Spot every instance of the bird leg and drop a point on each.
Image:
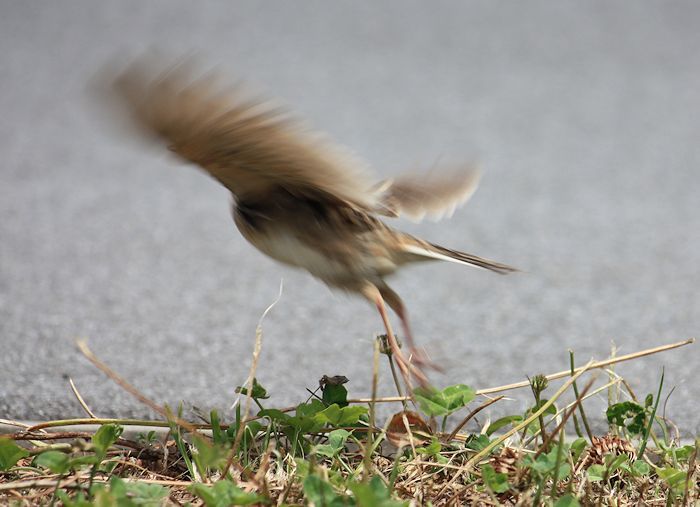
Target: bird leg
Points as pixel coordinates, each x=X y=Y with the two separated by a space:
x=417 y=355
x=407 y=368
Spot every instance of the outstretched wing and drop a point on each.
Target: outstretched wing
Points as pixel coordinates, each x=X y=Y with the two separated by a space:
x=250 y=146
x=434 y=194
x=253 y=146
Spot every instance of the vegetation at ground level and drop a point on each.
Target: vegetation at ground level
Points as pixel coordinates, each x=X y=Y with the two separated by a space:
x=331 y=450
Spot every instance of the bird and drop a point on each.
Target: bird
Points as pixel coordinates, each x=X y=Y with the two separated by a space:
x=299 y=197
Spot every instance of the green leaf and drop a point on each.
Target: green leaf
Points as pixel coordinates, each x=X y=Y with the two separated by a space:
x=373 y=494
x=78 y=501
x=219 y=436
x=336 y=443
x=436 y=403
x=224 y=493
x=274 y=415
x=564 y=470
x=258 y=391
x=208 y=455
x=206 y=493
x=640 y=468
x=135 y=493
x=613 y=462
x=596 y=473
x=458 y=396
x=10 y=453
x=627 y=414
x=147 y=438
x=350 y=416
x=89 y=459
x=337 y=438
x=55 y=461
x=253 y=428
x=105 y=436
x=577 y=448
x=310 y=409
x=331 y=415
x=477 y=442
x=336 y=416
x=495 y=481
x=551 y=410
x=430 y=402
x=545 y=464
x=320 y=493
x=681 y=453
x=431 y=449
x=503 y=421
x=674 y=477
x=117 y=487
x=567 y=501
x=303 y=468
x=324 y=450
x=335 y=394
x=304 y=421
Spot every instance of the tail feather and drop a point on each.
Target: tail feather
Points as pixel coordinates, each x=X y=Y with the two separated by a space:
x=427 y=251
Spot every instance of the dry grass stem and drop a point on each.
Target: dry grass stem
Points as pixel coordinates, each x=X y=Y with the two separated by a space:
x=131 y=389
x=80 y=399
x=249 y=383
x=471 y=414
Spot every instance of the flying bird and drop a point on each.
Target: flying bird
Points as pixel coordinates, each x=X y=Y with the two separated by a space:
x=298 y=197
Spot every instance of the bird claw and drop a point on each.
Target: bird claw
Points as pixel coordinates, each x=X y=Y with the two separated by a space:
x=413 y=365
x=410 y=369
x=421 y=360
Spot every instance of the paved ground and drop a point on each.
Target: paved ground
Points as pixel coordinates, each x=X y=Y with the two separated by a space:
x=584 y=115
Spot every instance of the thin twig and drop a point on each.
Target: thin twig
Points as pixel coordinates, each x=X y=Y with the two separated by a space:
x=368 y=468
x=249 y=385
x=411 y=441
x=144 y=451
x=613 y=393
x=128 y=387
x=392 y=367
x=584 y=419
x=689 y=475
x=80 y=399
x=95 y=422
x=36 y=483
x=18 y=424
x=567 y=415
x=647 y=430
x=472 y=414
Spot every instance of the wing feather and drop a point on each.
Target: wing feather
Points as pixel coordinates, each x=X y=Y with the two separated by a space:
x=248 y=145
x=434 y=194
x=252 y=145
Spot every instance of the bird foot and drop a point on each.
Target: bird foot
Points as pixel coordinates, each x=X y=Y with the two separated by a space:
x=411 y=366
x=421 y=360
x=408 y=368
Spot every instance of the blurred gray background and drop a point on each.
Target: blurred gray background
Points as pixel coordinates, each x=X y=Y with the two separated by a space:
x=584 y=116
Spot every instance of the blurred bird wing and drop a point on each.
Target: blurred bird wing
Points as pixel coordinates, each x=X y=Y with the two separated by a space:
x=434 y=194
x=248 y=145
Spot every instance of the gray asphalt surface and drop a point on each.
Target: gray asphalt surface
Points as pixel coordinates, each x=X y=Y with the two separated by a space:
x=585 y=117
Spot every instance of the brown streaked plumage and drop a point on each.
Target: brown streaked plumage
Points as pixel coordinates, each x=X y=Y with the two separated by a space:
x=297 y=197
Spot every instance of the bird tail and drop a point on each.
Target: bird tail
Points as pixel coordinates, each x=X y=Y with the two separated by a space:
x=429 y=251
